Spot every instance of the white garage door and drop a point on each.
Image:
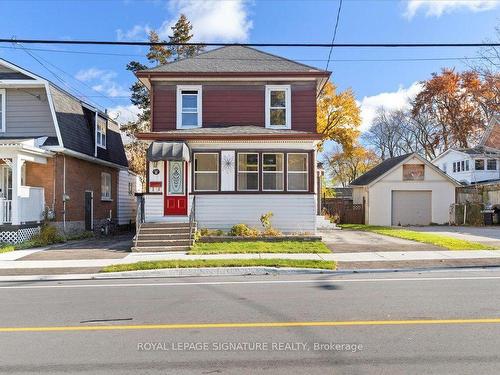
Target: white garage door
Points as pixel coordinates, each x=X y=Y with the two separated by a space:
x=411 y=207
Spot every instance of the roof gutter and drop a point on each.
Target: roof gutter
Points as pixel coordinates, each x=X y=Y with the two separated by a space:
x=85 y=157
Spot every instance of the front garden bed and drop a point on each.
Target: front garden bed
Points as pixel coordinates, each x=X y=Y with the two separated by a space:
x=282 y=238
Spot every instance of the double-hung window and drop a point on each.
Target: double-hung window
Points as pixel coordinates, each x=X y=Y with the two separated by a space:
x=272 y=172
x=297 y=172
x=206 y=172
x=105 y=186
x=188 y=107
x=248 y=171
x=491 y=165
x=101 y=132
x=479 y=165
x=2 y=110
x=278 y=107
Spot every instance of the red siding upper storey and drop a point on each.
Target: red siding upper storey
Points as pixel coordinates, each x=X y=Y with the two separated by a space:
x=233 y=104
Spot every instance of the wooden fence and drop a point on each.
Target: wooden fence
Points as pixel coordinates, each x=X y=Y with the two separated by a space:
x=347 y=212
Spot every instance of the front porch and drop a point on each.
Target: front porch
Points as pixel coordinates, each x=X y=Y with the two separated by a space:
x=21 y=206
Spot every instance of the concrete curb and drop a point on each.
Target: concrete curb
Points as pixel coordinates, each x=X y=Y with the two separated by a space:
x=226 y=271
x=173 y=272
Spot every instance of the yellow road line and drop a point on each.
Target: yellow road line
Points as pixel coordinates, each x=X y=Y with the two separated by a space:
x=250 y=325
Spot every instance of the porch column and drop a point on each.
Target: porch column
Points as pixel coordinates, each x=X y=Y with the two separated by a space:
x=17 y=163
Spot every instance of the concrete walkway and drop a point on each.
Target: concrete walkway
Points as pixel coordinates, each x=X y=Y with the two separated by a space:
x=8 y=260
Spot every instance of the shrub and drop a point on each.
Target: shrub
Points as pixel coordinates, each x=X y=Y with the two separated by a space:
x=47 y=236
x=210 y=232
x=243 y=230
x=271 y=232
x=265 y=220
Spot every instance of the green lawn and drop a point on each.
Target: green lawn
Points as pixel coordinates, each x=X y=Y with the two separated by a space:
x=447 y=242
x=199 y=263
x=249 y=247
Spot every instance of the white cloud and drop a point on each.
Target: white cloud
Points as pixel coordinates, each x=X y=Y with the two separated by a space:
x=103 y=81
x=124 y=113
x=212 y=20
x=390 y=100
x=436 y=8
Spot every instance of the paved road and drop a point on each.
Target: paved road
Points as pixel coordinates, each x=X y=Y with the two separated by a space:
x=393 y=323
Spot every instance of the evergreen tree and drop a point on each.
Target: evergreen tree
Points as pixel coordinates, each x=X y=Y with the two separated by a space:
x=157 y=55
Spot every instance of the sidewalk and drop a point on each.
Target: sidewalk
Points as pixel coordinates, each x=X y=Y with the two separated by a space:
x=9 y=261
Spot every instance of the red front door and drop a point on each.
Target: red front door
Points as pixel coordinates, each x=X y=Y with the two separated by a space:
x=175 y=188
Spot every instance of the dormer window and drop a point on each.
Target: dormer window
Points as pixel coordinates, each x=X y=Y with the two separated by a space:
x=278 y=107
x=188 y=107
x=101 y=132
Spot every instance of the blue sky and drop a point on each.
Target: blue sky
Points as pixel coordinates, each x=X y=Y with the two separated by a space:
x=102 y=78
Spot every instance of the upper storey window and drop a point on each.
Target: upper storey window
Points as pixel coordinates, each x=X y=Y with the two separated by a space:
x=188 y=107
x=278 y=107
x=101 y=132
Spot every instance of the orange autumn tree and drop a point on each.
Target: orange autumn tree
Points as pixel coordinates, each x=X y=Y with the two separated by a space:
x=338 y=116
x=347 y=166
x=460 y=103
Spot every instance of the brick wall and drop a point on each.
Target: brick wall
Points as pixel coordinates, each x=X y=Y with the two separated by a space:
x=81 y=176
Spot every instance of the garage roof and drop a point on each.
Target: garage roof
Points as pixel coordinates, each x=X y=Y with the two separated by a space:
x=379 y=170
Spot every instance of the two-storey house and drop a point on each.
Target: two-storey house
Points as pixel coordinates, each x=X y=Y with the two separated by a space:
x=61 y=160
x=477 y=164
x=233 y=137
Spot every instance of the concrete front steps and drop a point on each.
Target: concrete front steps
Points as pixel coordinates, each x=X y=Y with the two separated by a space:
x=158 y=237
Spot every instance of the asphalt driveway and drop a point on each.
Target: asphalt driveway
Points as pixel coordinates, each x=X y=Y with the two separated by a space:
x=349 y=241
x=115 y=247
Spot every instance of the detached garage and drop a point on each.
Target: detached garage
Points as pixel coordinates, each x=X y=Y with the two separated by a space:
x=405 y=190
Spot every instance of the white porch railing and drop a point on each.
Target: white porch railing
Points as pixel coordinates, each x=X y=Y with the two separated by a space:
x=5 y=211
x=31 y=203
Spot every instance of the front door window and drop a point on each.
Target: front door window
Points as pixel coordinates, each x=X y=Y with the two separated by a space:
x=176 y=178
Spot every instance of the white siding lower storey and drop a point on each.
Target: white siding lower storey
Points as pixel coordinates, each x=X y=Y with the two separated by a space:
x=292 y=212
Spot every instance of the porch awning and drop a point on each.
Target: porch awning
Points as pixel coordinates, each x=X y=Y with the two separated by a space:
x=168 y=151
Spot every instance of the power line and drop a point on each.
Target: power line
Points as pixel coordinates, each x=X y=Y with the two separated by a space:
x=450 y=58
x=321 y=45
x=334 y=34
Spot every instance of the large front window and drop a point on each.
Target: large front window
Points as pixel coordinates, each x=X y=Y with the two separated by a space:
x=2 y=110
x=278 y=105
x=272 y=172
x=248 y=171
x=297 y=172
x=188 y=106
x=206 y=172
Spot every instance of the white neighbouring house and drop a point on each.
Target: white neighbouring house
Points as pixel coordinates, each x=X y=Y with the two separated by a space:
x=405 y=190
x=477 y=164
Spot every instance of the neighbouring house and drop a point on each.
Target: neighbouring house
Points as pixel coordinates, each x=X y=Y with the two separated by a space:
x=61 y=159
x=233 y=136
x=405 y=190
x=475 y=164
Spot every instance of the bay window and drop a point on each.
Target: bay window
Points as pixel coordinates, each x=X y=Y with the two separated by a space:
x=272 y=172
x=248 y=171
x=278 y=107
x=188 y=106
x=206 y=172
x=297 y=172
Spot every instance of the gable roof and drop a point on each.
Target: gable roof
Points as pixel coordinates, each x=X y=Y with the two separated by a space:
x=235 y=59
x=491 y=137
x=74 y=119
x=379 y=170
x=387 y=165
